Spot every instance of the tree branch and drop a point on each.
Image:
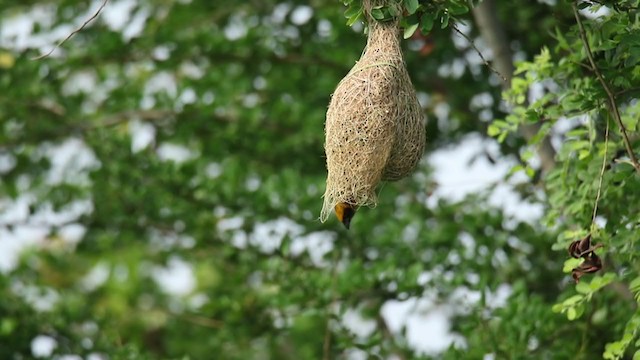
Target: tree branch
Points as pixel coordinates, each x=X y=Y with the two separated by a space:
x=486 y=63
x=492 y=31
x=95 y=15
x=610 y=95
x=200 y=320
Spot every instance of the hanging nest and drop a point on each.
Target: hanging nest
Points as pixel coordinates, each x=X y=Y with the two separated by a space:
x=375 y=125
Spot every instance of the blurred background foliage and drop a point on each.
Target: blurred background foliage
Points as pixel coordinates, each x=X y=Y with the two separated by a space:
x=169 y=160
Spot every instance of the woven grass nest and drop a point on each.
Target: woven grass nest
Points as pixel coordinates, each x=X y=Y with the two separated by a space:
x=374 y=126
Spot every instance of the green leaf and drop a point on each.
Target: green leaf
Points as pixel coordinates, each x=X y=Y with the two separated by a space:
x=502 y=136
x=598 y=282
x=600 y=316
x=579 y=144
x=377 y=13
x=613 y=350
x=493 y=130
x=458 y=9
x=528 y=154
x=583 y=154
x=444 y=20
x=7 y=326
x=634 y=285
x=353 y=10
x=571 y=264
x=411 y=26
x=354 y=15
x=573 y=300
x=530 y=172
x=583 y=288
x=514 y=169
x=583 y=5
x=426 y=23
x=409 y=30
x=411 y=6
x=579 y=311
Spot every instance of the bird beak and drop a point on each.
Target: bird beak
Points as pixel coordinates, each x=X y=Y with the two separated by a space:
x=346 y=221
x=344 y=213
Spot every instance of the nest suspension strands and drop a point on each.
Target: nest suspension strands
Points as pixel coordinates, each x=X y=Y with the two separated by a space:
x=375 y=126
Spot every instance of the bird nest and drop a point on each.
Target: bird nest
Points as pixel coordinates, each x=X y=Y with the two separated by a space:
x=374 y=126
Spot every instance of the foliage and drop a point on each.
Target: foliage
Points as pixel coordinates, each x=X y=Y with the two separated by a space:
x=227 y=186
x=415 y=14
x=589 y=65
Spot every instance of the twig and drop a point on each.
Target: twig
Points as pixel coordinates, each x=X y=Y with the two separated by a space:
x=624 y=91
x=612 y=99
x=602 y=169
x=95 y=15
x=486 y=63
x=614 y=6
x=200 y=320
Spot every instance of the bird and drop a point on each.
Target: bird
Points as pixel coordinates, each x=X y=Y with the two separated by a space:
x=344 y=213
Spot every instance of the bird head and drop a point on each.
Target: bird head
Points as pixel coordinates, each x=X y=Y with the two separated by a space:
x=345 y=212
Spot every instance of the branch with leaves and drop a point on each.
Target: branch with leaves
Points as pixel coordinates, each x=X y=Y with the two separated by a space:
x=613 y=106
x=416 y=15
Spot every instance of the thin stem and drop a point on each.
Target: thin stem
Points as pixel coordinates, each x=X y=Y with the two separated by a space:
x=625 y=91
x=611 y=97
x=201 y=320
x=95 y=15
x=486 y=63
x=617 y=8
x=602 y=169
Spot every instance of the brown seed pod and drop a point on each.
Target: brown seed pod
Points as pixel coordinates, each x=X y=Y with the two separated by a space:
x=591 y=264
x=582 y=249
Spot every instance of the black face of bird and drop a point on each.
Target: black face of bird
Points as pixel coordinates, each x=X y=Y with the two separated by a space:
x=344 y=213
